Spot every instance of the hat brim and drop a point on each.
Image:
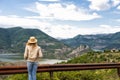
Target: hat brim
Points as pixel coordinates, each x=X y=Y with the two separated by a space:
x=29 y=41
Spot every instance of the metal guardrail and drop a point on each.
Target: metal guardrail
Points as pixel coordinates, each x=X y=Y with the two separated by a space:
x=60 y=67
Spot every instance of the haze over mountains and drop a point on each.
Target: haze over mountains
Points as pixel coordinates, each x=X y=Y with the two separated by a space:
x=13 y=40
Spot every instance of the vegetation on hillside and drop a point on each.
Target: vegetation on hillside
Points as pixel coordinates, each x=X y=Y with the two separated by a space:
x=13 y=40
x=97 y=57
x=90 y=57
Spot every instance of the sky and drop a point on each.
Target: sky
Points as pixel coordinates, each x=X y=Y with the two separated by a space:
x=62 y=18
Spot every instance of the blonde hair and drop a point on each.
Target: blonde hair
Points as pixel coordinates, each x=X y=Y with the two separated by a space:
x=32 y=44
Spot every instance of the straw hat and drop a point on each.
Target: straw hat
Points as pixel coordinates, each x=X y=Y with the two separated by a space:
x=32 y=40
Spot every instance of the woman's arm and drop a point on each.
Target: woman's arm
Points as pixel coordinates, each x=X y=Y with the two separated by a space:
x=40 y=53
x=26 y=53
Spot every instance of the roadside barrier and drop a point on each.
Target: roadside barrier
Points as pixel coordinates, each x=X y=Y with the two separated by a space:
x=60 y=67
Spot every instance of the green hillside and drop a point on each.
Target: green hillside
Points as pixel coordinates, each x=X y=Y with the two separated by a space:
x=98 y=41
x=97 y=57
x=13 y=40
x=90 y=57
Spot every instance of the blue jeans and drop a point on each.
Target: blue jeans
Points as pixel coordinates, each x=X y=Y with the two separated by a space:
x=32 y=69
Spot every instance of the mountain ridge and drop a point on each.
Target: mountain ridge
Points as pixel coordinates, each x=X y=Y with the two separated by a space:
x=13 y=40
x=98 y=41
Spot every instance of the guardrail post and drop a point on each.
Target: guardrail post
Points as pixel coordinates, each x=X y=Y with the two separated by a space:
x=118 y=71
x=51 y=75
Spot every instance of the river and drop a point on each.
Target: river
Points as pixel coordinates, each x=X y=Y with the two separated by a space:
x=19 y=57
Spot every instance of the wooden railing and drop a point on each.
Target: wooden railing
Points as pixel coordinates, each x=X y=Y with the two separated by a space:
x=60 y=67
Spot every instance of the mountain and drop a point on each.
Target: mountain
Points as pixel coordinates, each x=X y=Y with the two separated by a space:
x=98 y=41
x=13 y=40
x=78 y=51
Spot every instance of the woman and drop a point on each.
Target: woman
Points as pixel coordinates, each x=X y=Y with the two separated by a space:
x=32 y=54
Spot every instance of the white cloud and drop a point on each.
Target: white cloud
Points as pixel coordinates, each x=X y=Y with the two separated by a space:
x=118 y=7
x=99 y=5
x=118 y=20
x=58 y=30
x=102 y=29
x=62 y=31
x=63 y=12
x=109 y=29
x=67 y=31
x=50 y=0
x=19 y=21
x=103 y=4
x=0 y=11
x=115 y=2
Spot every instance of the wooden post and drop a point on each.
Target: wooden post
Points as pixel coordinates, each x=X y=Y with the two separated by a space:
x=118 y=71
x=51 y=75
